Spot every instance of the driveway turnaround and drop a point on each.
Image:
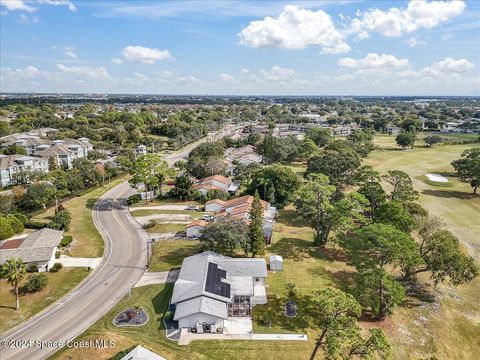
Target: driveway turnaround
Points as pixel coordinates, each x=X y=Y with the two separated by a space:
x=123 y=264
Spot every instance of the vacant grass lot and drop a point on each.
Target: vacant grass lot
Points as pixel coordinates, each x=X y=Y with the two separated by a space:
x=87 y=241
x=166 y=228
x=58 y=285
x=170 y=253
x=193 y=214
x=164 y=202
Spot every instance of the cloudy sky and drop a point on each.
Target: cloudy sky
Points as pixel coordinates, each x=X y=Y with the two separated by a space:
x=241 y=47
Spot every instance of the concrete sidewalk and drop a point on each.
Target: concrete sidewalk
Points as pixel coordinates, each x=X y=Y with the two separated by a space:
x=68 y=261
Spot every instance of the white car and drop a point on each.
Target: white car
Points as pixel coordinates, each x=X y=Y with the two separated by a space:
x=207 y=217
x=192 y=207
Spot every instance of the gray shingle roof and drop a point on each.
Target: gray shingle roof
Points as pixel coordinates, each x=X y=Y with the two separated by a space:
x=201 y=304
x=36 y=247
x=191 y=280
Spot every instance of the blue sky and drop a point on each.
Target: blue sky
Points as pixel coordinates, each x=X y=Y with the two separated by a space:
x=241 y=47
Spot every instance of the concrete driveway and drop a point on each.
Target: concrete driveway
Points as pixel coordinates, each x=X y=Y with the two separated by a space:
x=68 y=261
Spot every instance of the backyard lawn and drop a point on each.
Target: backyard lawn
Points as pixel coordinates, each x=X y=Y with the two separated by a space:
x=87 y=241
x=58 y=285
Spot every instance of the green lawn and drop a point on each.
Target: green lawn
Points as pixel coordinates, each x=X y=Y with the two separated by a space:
x=450 y=325
x=170 y=253
x=193 y=214
x=165 y=228
x=167 y=201
x=58 y=285
x=87 y=241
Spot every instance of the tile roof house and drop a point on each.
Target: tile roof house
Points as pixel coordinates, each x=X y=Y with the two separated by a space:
x=194 y=229
x=36 y=249
x=14 y=166
x=239 y=208
x=217 y=182
x=212 y=288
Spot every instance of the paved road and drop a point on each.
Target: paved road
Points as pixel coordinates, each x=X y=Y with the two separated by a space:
x=122 y=266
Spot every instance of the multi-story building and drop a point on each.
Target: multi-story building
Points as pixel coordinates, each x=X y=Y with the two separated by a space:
x=12 y=167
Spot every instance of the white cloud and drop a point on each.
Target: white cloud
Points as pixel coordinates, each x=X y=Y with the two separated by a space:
x=277 y=73
x=451 y=65
x=344 y=77
x=144 y=55
x=84 y=71
x=395 y=22
x=71 y=54
x=295 y=28
x=67 y=3
x=413 y=41
x=226 y=78
x=23 y=5
x=13 y=5
x=374 y=61
x=446 y=37
x=116 y=61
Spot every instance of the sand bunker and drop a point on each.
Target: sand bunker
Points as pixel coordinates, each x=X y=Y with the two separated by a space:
x=436 y=178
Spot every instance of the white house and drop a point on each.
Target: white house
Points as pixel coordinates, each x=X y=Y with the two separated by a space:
x=36 y=249
x=14 y=166
x=195 y=228
x=213 y=288
x=140 y=353
x=141 y=150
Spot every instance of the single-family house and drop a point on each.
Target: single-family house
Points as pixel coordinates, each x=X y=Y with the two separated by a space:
x=141 y=150
x=36 y=249
x=239 y=209
x=212 y=288
x=141 y=353
x=195 y=228
x=215 y=182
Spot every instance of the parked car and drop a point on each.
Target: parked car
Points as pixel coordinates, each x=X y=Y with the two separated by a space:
x=207 y=217
x=192 y=207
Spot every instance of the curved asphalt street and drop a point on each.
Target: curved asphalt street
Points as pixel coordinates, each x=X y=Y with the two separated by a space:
x=122 y=266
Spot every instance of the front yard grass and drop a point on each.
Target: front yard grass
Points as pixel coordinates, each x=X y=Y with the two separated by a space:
x=170 y=253
x=59 y=284
x=166 y=228
x=193 y=214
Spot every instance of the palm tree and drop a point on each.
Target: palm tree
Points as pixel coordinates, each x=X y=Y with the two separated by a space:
x=14 y=271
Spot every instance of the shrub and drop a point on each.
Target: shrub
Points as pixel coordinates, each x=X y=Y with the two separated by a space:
x=6 y=229
x=67 y=239
x=60 y=221
x=150 y=224
x=23 y=218
x=267 y=319
x=16 y=224
x=56 y=267
x=57 y=254
x=36 y=282
x=134 y=199
x=32 y=224
x=33 y=268
x=415 y=209
x=291 y=290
